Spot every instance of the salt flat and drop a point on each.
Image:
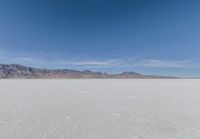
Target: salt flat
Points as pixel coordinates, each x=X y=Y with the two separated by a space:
x=100 y=109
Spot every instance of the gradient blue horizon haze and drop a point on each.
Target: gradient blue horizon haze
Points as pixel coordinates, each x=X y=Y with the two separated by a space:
x=147 y=36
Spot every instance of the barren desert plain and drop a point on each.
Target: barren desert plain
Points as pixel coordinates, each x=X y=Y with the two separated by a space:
x=100 y=109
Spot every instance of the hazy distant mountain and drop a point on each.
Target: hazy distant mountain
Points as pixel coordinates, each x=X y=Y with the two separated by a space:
x=21 y=72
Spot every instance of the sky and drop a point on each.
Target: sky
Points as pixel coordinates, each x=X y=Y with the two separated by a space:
x=146 y=36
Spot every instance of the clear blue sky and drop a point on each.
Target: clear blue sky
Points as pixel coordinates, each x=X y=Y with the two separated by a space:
x=147 y=36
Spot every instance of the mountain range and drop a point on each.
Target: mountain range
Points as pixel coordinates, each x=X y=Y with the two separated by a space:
x=16 y=71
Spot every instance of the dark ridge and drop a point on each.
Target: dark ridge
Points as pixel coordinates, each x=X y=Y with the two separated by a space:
x=16 y=71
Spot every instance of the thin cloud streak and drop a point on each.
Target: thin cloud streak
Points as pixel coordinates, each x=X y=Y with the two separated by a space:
x=155 y=63
x=108 y=63
x=90 y=63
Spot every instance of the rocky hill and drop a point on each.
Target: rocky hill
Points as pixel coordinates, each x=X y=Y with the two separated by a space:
x=15 y=71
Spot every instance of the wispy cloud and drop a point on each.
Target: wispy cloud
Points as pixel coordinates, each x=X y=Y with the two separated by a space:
x=123 y=63
x=56 y=62
x=104 y=63
x=157 y=63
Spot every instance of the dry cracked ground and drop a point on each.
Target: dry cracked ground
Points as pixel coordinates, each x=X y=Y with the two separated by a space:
x=100 y=109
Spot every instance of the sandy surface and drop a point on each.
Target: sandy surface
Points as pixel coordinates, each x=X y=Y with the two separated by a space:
x=99 y=109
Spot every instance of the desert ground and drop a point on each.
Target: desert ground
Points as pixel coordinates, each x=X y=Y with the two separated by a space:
x=100 y=109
